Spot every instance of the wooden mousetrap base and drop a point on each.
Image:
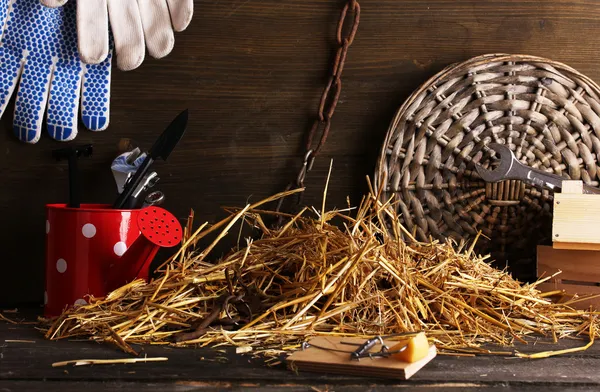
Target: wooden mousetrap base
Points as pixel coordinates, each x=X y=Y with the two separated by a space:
x=318 y=360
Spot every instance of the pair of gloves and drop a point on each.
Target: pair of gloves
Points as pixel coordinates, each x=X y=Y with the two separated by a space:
x=59 y=54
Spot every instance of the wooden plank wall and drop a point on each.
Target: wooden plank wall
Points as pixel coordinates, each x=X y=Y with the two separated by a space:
x=251 y=72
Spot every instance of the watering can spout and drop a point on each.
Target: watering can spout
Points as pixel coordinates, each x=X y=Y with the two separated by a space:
x=158 y=228
x=134 y=264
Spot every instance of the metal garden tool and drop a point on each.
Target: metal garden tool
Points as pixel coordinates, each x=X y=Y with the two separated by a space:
x=139 y=194
x=162 y=148
x=511 y=169
x=72 y=154
x=155 y=198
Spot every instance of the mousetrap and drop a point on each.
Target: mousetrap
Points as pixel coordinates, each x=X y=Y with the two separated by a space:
x=357 y=357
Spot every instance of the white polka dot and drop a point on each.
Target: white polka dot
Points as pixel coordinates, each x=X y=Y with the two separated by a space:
x=88 y=230
x=61 y=265
x=47 y=226
x=120 y=248
x=45 y=297
x=80 y=301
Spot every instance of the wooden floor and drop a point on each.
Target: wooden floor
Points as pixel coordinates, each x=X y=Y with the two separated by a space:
x=27 y=366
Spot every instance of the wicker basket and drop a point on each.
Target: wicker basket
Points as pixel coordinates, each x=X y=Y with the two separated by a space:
x=548 y=114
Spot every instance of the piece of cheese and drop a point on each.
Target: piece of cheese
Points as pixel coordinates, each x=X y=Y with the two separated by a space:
x=416 y=349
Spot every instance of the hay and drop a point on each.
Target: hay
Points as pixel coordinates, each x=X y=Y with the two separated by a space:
x=311 y=277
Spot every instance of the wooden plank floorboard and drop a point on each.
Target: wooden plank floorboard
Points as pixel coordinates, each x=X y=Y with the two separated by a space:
x=28 y=363
x=186 y=386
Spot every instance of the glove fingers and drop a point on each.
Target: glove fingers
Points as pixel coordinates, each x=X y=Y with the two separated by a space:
x=61 y=117
x=157 y=27
x=128 y=34
x=181 y=13
x=92 y=31
x=95 y=101
x=53 y=3
x=10 y=72
x=32 y=98
x=5 y=9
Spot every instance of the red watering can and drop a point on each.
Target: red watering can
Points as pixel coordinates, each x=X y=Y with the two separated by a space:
x=94 y=249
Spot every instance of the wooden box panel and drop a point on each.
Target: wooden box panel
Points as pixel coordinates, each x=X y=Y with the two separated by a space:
x=576 y=265
x=576 y=218
x=580 y=275
x=588 y=296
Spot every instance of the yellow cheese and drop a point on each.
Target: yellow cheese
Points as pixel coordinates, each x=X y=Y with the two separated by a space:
x=416 y=349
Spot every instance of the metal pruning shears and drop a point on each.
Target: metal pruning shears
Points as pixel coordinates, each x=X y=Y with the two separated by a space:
x=511 y=169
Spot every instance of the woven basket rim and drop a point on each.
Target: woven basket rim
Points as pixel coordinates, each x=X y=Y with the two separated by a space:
x=545 y=110
x=455 y=67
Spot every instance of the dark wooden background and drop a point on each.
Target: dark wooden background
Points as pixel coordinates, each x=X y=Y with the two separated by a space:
x=251 y=72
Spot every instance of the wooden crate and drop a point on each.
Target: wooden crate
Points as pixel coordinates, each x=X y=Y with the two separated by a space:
x=580 y=274
x=576 y=218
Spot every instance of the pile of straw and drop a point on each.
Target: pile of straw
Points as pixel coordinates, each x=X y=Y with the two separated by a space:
x=311 y=277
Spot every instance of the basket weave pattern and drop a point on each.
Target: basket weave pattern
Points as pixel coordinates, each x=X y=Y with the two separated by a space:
x=545 y=111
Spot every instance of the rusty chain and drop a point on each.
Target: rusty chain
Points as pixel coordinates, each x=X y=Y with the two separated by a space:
x=330 y=96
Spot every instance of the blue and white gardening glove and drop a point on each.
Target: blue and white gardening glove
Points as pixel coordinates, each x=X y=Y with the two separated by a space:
x=136 y=25
x=38 y=51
